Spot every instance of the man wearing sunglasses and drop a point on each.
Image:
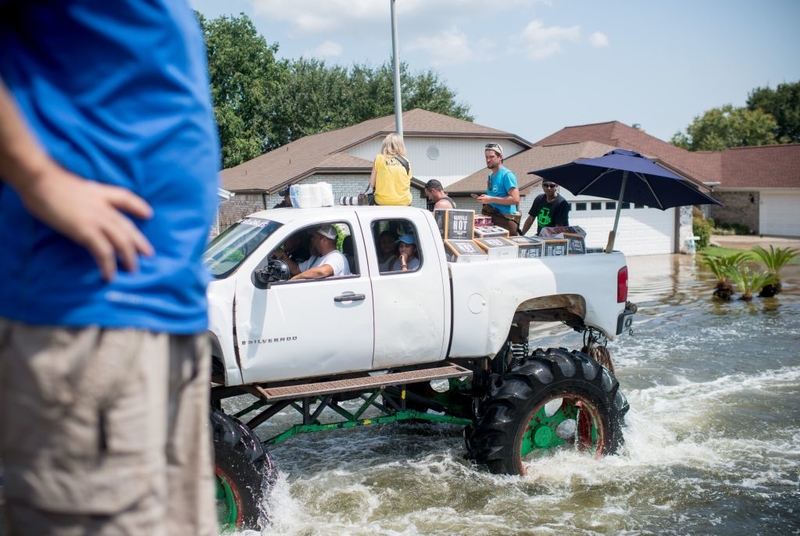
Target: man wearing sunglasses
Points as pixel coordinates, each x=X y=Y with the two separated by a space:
x=502 y=194
x=549 y=209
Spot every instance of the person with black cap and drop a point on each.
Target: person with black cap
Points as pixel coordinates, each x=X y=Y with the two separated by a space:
x=327 y=262
x=287 y=199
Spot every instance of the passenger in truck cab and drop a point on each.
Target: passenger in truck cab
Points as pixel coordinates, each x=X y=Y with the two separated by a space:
x=327 y=261
x=387 y=249
x=407 y=259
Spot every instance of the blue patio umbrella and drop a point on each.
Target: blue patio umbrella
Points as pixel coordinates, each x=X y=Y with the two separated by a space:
x=628 y=177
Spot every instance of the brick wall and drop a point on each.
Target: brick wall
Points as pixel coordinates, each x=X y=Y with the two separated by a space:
x=738 y=209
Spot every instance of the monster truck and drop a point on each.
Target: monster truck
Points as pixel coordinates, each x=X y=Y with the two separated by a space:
x=329 y=349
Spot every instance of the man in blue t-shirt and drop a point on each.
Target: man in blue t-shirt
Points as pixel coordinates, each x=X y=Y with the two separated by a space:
x=109 y=166
x=502 y=194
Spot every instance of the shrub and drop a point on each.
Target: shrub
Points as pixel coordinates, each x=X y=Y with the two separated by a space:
x=701 y=228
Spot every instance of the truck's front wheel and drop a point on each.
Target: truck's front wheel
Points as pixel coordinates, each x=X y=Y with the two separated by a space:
x=553 y=399
x=244 y=473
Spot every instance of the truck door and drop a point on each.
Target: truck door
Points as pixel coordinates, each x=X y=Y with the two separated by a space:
x=299 y=329
x=412 y=321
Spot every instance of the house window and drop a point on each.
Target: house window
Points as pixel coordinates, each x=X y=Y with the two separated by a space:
x=611 y=205
x=580 y=206
x=596 y=205
x=626 y=205
x=638 y=205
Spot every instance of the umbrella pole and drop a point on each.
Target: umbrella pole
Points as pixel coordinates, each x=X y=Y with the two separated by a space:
x=613 y=234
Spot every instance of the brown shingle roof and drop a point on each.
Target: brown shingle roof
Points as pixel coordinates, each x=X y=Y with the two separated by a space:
x=767 y=166
x=326 y=152
x=538 y=157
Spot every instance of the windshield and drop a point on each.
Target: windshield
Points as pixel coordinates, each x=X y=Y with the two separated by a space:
x=227 y=251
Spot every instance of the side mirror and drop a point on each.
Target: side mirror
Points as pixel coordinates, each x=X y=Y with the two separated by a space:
x=276 y=270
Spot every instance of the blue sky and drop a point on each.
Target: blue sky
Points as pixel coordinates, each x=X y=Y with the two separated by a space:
x=532 y=67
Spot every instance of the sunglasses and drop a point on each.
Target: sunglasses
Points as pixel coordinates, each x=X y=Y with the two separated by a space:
x=549 y=185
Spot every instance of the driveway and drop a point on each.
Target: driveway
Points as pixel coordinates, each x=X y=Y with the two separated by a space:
x=748 y=241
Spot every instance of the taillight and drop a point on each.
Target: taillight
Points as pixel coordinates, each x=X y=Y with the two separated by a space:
x=622 y=285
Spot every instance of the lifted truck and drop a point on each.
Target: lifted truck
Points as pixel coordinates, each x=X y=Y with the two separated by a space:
x=446 y=342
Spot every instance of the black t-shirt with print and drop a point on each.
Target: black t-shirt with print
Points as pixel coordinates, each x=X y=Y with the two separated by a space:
x=553 y=214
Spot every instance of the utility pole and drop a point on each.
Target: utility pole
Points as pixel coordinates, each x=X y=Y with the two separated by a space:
x=398 y=105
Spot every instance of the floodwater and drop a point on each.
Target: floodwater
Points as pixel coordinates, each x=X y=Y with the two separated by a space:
x=712 y=438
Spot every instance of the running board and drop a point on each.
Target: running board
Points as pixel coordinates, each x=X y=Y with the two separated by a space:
x=291 y=392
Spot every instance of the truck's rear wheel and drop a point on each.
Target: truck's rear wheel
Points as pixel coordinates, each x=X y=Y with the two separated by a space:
x=553 y=399
x=244 y=473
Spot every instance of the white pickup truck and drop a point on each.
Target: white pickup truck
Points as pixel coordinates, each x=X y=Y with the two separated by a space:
x=446 y=341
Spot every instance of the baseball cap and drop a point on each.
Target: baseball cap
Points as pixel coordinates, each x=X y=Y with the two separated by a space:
x=407 y=239
x=496 y=147
x=328 y=232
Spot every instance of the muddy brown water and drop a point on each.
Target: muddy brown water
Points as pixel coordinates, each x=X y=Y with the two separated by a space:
x=712 y=438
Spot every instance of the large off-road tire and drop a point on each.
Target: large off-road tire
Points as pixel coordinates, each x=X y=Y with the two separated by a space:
x=553 y=399
x=244 y=473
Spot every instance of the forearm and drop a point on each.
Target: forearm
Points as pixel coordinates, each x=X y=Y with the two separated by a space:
x=23 y=163
x=318 y=272
x=527 y=225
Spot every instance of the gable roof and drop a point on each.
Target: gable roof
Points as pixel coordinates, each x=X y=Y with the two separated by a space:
x=327 y=152
x=766 y=166
x=537 y=157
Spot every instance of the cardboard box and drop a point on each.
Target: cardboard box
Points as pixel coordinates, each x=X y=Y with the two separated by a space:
x=553 y=232
x=455 y=224
x=555 y=247
x=576 y=244
x=489 y=231
x=497 y=247
x=528 y=246
x=463 y=251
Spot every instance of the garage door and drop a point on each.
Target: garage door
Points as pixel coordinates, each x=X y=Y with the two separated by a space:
x=778 y=213
x=641 y=231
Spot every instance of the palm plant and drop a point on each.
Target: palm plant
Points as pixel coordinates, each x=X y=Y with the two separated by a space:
x=749 y=282
x=774 y=259
x=722 y=267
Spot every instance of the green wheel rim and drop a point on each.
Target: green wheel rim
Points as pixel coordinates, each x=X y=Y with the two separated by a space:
x=227 y=504
x=563 y=421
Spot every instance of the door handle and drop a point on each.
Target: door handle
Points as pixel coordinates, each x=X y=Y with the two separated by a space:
x=350 y=296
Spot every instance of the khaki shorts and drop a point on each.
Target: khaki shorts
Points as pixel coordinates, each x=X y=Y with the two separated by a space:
x=105 y=431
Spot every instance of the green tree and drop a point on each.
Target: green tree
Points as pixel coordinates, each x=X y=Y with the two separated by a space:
x=317 y=98
x=262 y=103
x=721 y=128
x=783 y=104
x=245 y=77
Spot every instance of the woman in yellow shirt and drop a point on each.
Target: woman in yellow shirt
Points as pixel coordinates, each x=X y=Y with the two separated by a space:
x=391 y=173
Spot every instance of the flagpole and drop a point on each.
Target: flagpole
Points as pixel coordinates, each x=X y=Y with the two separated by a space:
x=398 y=106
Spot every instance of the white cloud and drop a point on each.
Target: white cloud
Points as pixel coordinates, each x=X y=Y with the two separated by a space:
x=327 y=50
x=599 y=40
x=451 y=46
x=311 y=16
x=538 y=42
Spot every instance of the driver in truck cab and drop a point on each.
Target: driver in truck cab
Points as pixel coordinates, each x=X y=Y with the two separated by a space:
x=326 y=262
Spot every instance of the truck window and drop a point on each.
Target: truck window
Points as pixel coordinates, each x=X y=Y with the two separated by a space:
x=299 y=247
x=395 y=244
x=227 y=251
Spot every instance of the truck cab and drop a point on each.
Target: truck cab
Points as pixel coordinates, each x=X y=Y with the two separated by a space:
x=371 y=319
